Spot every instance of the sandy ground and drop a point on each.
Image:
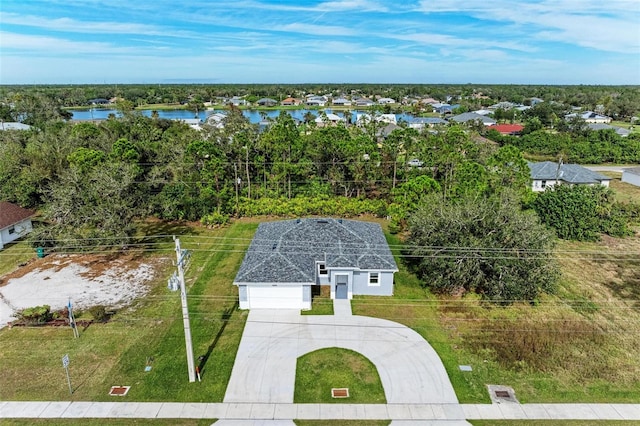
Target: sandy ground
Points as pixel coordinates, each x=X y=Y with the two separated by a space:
x=87 y=280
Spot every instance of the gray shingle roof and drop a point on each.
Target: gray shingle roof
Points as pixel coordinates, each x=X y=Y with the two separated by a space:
x=571 y=173
x=472 y=116
x=287 y=251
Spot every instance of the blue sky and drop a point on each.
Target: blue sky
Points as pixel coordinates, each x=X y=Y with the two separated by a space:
x=333 y=41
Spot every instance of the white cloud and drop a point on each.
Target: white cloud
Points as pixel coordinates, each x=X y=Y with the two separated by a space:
x=89 y=27
x=323 y=30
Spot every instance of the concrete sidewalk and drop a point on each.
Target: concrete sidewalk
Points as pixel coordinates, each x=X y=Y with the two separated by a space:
x=258 y=413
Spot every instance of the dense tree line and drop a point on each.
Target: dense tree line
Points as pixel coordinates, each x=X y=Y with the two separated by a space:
x=618 y=101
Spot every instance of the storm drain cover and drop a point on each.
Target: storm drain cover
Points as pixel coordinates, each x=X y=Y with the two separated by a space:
x=340 y=392
x=500 y=394
x=119 y=390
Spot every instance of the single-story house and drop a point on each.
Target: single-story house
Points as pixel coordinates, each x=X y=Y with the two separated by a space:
x=385 y=101
x=621 y=131
x=503 y=105
x=364 y=119
x=287 y=260
x=468 y=117
x=14 y=222
x=631 y=176
x=316 y=101
x=13 y=125
x=363 y=102
x=341 y=102
x=589 y=117
x=547 y=173
x=268 y=102
x=326 y=119
x=99 y=101
x=419 y=123
x=236 y=101
x=444 y=108
x=508 y=129
x=290 y=101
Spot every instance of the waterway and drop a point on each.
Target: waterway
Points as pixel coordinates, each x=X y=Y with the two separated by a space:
x=254 y=116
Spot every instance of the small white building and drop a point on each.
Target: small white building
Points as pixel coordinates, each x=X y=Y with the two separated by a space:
x=631 y=176
x=14 y=222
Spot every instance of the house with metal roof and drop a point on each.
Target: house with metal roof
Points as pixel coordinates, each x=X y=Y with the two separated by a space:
x=547 y=174
x=620 y=131
x=290 y=260
x=631 y=176
x=420 y=123
x=14 y=222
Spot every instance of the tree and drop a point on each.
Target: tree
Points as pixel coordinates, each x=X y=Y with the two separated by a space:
x=581 y=212
x=482 y=245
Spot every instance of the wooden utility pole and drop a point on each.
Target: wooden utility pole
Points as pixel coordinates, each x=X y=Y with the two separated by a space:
x=185 y=313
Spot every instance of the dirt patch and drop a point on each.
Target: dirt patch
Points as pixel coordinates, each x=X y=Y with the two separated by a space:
x=86 y=280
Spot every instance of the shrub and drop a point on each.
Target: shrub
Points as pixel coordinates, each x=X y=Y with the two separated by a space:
x=99 y=313
x=215 y=219
x=35 y=315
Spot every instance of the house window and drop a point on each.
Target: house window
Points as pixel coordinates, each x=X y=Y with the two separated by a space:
x=543 y=184
x=374 y=278
x=322 y=269
x=12 y=230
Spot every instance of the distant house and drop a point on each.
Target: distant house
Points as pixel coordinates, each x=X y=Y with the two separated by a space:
x=13 y=125
x=363 y=119
x=290 y=101
x=194 y=123
x=620 y=131
x=328 y=119
x=267 y=102
x=547 y=174
x=470 y=117
x=631 y=176
x=445 y=108
x=508 y=129
x=385 y=101
x=363 y=102
x=236 y=101
x=316 y=101
x=385 y=131
x=99 y=101
x=216 y=120
x=535 y=101
x=589 y=117
x=503 y=105
x=288 y=259
x=341 y=102
x=420 y=123
x=14 y=222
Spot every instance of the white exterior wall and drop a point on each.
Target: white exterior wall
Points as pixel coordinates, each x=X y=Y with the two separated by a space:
x=631 y=178
x=275 y=296
x=538 y=187
x=18 y=230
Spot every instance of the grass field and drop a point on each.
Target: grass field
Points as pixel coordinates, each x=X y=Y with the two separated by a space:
x=320 y=371
x=580 y=345
x=148 y=333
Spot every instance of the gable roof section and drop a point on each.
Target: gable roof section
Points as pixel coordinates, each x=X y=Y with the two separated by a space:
x=287 y=251
x=508 y=129
x=571 y=173
x=10 y=214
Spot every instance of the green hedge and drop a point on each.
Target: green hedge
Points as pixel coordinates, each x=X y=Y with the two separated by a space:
x=312 y=206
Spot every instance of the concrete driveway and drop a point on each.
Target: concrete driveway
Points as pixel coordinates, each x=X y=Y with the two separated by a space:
x=265 y=366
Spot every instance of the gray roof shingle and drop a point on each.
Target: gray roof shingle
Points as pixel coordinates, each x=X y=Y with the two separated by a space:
x=571 y=173
x=287 y=251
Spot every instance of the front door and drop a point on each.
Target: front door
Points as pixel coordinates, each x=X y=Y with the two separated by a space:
x=342 y=286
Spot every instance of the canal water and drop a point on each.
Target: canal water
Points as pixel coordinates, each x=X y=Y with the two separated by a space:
x=253 y=115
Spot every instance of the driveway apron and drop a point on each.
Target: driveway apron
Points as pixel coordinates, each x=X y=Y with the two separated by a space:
x=264 y=370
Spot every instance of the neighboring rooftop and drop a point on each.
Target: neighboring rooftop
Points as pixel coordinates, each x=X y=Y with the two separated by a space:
x=11 y=125
x=287 y=251
x=11 y=214
x=571 y=173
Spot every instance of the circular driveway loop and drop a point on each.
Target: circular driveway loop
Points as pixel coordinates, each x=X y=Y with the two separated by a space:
x=272 y=341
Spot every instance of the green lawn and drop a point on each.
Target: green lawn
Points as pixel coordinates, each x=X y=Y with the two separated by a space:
x=15 y=254
x=320 y=371
x=150 y=332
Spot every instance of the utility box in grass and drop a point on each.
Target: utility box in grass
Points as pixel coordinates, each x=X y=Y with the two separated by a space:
x=40 y=252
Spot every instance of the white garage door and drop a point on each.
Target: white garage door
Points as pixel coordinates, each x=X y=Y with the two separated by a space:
x=275 y=297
